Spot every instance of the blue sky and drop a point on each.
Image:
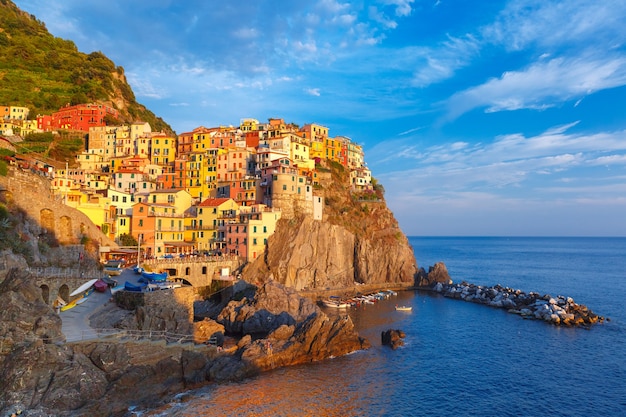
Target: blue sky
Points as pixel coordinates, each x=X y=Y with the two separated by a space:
x=502 y=118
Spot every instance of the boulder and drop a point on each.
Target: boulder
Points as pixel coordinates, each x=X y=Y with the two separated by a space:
x=437 y=273
x=393 y=338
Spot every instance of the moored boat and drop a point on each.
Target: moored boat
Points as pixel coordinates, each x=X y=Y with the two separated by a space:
x=403 y=308
x=129 y=286
x=154 y=276
x=335 y=303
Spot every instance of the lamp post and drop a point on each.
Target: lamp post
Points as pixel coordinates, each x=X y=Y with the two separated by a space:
x=66 y=182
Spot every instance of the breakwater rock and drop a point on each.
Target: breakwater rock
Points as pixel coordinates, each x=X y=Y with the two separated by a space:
x=557 y=310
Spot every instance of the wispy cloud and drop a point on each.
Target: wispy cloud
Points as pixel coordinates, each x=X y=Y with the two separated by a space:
x=542 y=85
x=313 y=92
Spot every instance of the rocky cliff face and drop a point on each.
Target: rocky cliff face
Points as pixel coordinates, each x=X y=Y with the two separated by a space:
x=309 y=254
x=358 y=241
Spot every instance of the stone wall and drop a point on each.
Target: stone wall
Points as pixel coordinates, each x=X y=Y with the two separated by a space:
x=47 y=214
x=199 y=272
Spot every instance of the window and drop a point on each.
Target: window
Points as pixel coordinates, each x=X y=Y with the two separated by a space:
x=123 y=199
x=140 y=222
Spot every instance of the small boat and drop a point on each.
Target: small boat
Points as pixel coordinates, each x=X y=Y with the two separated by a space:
x=87 y=285
x=117 y=288
x=335 y=304
x=154 y=276
x=137 y=269
x=100 y=285
x=404 y=308
x=129 y=286
x=112 y=270
x=108 y=281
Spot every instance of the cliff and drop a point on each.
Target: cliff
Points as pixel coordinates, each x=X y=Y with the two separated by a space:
x=357 y=242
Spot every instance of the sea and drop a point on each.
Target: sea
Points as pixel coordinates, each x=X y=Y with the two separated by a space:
x=460 y=358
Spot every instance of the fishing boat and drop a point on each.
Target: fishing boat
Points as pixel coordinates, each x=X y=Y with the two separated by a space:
x=403 y=308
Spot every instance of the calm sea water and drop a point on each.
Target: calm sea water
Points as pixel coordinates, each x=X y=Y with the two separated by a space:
x=463 y=359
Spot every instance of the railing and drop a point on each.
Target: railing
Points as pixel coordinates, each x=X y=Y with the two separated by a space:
x=56 y=272
x=192 y=258
x=125 y=335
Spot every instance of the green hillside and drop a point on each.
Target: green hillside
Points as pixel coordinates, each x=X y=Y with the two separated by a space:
x=43 y=72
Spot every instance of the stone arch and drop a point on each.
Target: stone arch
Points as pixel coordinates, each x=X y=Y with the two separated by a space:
x=64 y=293
x=45 y=293
x=46 y=219
x=65 y=229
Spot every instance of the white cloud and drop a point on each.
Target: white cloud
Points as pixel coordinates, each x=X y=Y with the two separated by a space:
x=542 y=84
x=435 y=65
x=313 y=92
x=402 y=7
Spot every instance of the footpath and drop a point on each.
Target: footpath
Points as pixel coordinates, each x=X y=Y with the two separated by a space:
x=75 y=321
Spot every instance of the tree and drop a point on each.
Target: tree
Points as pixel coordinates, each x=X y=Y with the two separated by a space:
x=127 y=240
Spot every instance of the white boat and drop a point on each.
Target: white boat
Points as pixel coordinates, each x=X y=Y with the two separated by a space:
x=404 y=308
x=83 y=287
x=335 y=304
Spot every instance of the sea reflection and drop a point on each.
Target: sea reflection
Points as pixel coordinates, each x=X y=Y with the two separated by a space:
x=344 y=386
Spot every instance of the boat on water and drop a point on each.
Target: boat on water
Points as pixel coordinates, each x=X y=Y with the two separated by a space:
x=138 y=269
x=403 y=308
x=335 y=303
x=154 y=276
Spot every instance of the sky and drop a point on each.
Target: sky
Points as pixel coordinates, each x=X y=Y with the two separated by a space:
x=492 y=118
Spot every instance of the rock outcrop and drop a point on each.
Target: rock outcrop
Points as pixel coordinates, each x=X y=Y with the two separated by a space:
x=393 y=338
x=281 y=328
x=437 y=273
x=306 y=254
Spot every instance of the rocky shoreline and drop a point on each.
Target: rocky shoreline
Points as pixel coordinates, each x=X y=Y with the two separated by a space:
x=559 y=310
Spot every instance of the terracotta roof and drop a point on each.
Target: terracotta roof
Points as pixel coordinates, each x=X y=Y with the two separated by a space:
x=213 y=202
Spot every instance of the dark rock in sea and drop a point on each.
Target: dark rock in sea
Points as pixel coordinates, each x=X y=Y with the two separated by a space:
x=393 y=338
x=437 y=273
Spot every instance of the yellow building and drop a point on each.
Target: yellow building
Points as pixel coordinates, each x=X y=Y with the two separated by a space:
x=98 y=209
x=299 y=153
x=207 y=227
x=334 y=147
x=248 y=237
x=163 y=150
x=249 y=125
x=19 y=113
